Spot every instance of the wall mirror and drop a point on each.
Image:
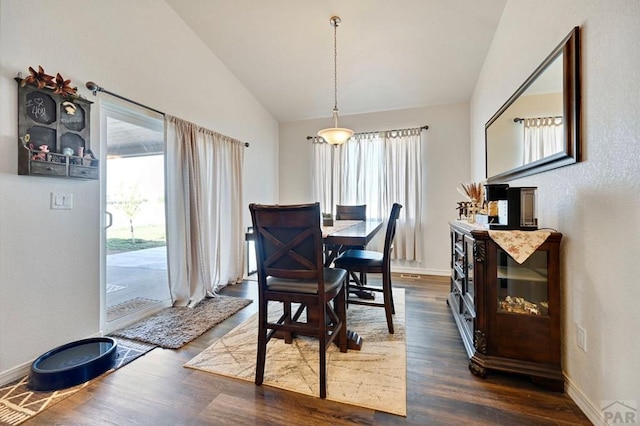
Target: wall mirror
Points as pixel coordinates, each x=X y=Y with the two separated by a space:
x=538 y=128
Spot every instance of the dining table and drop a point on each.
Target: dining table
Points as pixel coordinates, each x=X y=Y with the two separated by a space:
x=342 y=234
x=346 y=233
x=338 y=236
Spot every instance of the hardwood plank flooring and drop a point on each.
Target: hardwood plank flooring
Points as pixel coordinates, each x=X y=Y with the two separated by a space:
x=157 y=390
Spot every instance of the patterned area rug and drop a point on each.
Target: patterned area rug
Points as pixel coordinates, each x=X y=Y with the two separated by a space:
x=174 y=327
x=375 y=377
x=18 y=403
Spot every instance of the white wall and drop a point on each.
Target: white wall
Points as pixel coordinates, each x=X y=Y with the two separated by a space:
x=49 y=260
x=595 y=203
x=445 y=163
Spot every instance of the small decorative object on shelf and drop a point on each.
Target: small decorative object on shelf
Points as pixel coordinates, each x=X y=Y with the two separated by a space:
x=53 y=125
x=41 y=79
x=38 y=78
x=474 y=192
x=327 y=219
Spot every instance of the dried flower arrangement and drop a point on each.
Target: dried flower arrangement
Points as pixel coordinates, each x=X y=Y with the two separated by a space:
x=41 y=79
x=473 y=191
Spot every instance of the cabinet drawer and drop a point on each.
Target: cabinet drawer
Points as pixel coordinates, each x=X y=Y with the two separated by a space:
x=48 y=168
x=83 y=172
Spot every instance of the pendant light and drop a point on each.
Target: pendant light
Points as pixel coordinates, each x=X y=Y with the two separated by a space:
x=335 y=135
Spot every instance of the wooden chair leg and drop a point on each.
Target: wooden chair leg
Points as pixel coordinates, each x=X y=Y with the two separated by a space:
x=262 y=349
x=323 y=368
x=393 y=306
x=288 y=336
x=341 y=311
x=322 y=339
x=388 y=300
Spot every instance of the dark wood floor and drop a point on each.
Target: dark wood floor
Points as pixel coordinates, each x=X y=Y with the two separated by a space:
x=157 y=390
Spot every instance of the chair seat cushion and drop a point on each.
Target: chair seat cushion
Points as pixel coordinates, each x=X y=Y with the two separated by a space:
x=354 y=258
x=333 y=278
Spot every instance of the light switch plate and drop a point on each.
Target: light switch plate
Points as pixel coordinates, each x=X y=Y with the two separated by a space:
x=61 y=201
x=581 y=338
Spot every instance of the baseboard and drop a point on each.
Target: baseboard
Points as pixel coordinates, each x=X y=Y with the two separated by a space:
x=15 y=373
x=593 y=414
x=23 y=369
x=420 y=271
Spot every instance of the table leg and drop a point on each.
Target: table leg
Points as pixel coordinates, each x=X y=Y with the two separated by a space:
x=354 y=341
x=331 y=254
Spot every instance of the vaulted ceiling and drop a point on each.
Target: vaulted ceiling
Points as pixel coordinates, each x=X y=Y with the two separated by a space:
x=391 y=54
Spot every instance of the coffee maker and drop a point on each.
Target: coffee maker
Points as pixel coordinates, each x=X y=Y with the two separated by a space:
x=516 y=207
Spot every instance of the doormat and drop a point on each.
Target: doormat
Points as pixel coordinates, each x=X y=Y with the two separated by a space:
x=129 y=307
x=174 y=327
x=18 y=403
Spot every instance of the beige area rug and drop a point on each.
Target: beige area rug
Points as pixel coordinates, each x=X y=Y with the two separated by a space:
x=18 y=403
x=174 y=327
x=375 y=377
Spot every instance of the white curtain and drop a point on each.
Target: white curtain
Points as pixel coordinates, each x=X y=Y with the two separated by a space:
x=321 y=174
x=542 y=137
x=376 y=169
x=204 y=211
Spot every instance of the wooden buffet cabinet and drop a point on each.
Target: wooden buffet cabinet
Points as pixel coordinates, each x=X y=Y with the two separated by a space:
x=508 y=314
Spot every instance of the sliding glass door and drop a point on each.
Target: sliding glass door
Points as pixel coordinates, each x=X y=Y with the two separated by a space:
x=134 y=241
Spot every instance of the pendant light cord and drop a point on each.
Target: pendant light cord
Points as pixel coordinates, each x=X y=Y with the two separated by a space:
x=335 y=135
x=335 y=66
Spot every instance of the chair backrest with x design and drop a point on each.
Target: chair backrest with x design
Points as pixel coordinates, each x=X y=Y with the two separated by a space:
x=288 y=241
x=291 y=271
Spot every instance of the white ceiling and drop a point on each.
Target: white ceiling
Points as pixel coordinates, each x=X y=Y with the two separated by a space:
x=391 y=54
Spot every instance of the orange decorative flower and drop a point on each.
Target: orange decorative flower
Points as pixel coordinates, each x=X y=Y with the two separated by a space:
x=63 y=87
x=38 y=78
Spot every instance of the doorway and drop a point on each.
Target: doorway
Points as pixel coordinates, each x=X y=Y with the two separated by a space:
x=134 y=260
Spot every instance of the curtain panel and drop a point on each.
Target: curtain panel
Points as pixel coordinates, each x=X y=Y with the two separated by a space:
x=204 y=211
x=376 y=169
x=543 y=137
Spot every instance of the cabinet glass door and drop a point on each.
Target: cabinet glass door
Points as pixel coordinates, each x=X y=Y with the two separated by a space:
x=523 y=288
x=469 y=286
x=457 y=263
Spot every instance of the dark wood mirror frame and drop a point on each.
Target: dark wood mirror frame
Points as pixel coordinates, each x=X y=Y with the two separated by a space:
x=569 y=49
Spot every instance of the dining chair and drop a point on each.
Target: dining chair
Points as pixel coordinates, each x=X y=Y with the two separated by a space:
x=353 y=212
x=288 y=243
x=349 y=212
x=365 y=261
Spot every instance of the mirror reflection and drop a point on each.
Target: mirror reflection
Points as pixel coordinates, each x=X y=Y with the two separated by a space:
x=536 y=129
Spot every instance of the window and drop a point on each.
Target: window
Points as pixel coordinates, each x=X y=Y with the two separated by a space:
x=376 y=169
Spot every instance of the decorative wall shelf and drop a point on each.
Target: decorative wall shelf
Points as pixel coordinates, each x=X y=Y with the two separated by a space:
x=54 y=134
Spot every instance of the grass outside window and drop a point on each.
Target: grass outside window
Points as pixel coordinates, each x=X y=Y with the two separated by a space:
x=119 y=239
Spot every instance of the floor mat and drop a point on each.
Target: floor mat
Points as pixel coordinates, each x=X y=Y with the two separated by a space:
x=18 y=403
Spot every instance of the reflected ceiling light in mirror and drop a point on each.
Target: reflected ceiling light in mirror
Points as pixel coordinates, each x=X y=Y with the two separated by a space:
x=335 y=135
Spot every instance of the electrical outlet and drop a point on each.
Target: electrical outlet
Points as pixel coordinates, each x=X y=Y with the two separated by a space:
x=581 y=338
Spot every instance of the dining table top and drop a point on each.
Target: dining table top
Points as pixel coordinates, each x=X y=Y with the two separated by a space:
x=351 y=232
x=345 y=232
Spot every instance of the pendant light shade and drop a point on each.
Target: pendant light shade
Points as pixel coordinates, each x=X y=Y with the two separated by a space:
x=335 y=135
